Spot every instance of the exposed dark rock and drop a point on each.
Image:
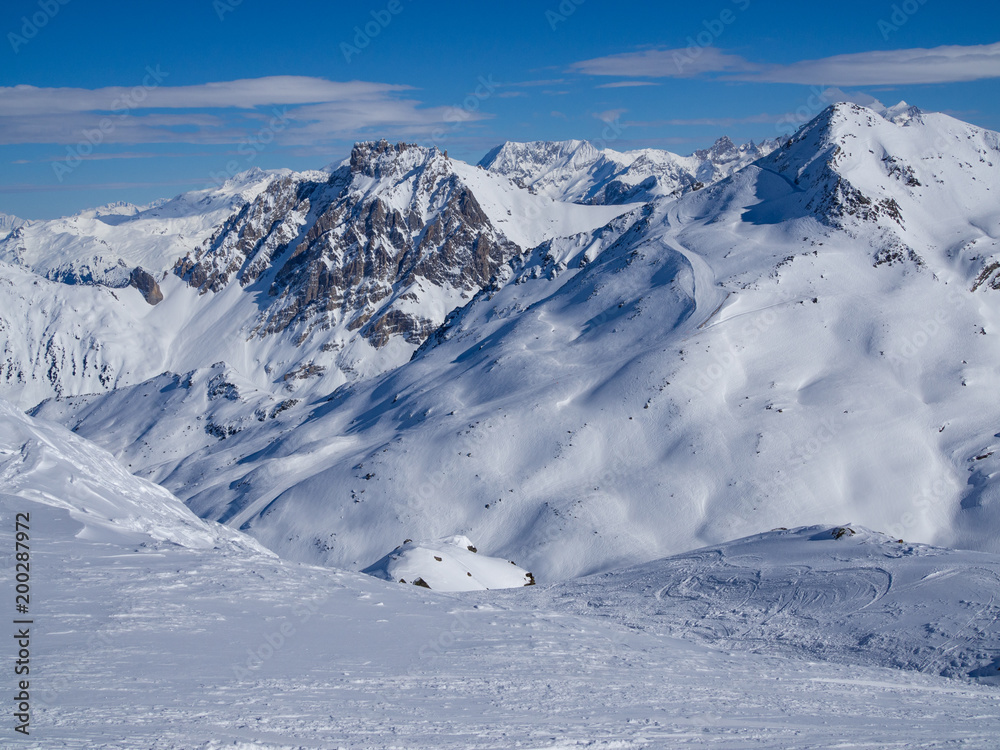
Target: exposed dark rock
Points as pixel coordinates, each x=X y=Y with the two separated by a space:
x=146 y=285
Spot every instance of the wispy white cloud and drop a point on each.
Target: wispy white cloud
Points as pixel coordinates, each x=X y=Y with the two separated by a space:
x=949 y=64
x=626 y=84
x=537 y=82
x=116 y=155
x=47 y=188
x=715 y=122
x=214 y=113
x=664 y=63
x=242 y=94
x=945 y=64
x=610 y=115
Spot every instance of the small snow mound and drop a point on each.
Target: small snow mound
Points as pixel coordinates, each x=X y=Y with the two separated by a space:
x=449 y=564
x=856 y=533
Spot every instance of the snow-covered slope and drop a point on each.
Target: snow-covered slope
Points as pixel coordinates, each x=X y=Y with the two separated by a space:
x=137 y=647
x=580 y=172
x=841 y=594
x=45 y=464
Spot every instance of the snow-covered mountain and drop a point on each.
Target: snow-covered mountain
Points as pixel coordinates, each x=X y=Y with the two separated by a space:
x=284 y=275
x=9 y=223
x=810 y=339
x=579 y=172
x=44 y=464
x=388 y=244
x=95 y=246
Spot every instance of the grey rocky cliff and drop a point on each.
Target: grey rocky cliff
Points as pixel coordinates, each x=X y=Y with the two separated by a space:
x=359 y=249
x=146 y=285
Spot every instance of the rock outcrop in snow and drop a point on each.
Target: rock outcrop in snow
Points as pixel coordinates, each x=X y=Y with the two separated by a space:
x=450 y=564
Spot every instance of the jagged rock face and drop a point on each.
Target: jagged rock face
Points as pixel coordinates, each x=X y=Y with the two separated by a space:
x=245 y=243
x=146 y=285
x=353 y=250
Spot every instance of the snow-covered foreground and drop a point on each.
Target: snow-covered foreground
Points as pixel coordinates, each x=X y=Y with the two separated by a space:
x=146 y=637
x=167 y=647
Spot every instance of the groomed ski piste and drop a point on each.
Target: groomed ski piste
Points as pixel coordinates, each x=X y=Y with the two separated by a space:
x=155 y=629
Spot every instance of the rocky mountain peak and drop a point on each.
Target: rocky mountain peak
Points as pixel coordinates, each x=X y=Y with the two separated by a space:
x=722 y=150
x=381 y=158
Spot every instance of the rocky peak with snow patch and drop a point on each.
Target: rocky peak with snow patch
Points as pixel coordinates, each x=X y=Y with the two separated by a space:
x=361 y=250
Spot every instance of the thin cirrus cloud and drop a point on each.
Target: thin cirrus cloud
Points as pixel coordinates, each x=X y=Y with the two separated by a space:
x=947 y=64
x=215 y=113
x=627 y=84
x=664 y=63
x=610 y=115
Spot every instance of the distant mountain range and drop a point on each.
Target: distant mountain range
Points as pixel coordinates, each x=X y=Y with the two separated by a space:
x=579 y=172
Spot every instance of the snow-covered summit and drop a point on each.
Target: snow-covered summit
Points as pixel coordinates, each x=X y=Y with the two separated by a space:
x=9 y=223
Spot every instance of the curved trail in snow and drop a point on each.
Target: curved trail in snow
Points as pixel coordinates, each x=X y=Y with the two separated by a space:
x=708 y=294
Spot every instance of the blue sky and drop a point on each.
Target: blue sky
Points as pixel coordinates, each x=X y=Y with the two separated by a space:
x=137 y=101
